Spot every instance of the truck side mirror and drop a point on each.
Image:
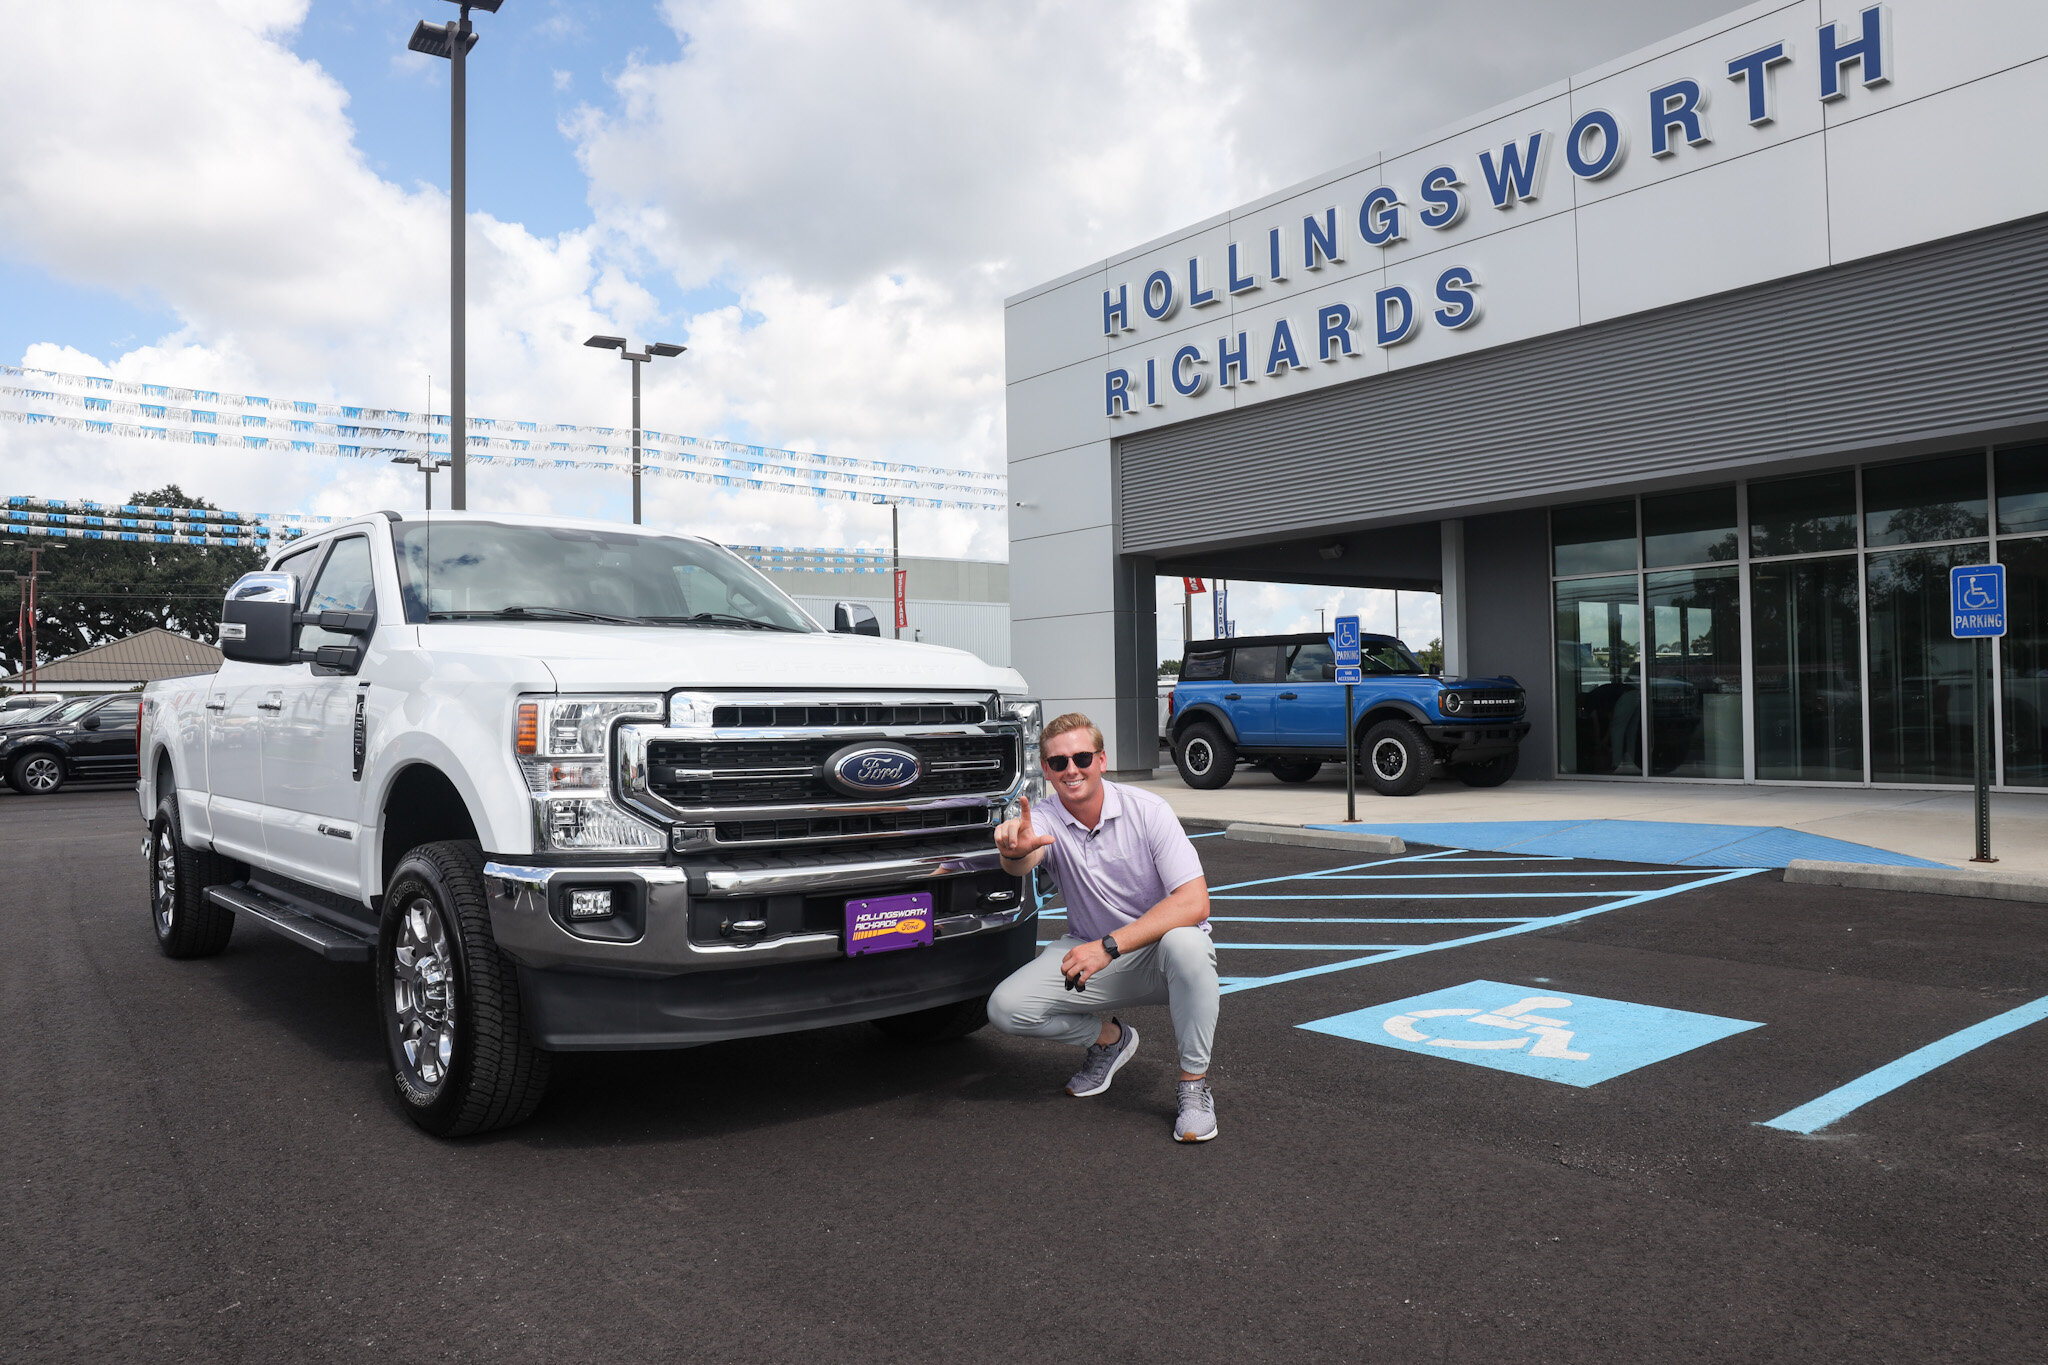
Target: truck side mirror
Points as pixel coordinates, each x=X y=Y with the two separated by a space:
x=1436 y=670
x=1329 y=672
x=851 y=618
x=256 y=620
x=90 y=723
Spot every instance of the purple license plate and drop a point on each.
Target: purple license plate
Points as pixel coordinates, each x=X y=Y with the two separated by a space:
x=887 y=922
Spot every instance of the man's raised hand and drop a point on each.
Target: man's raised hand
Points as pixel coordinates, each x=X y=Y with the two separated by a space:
x=1016 y=840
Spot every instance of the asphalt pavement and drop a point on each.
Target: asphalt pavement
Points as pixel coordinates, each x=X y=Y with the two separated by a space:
x=1526 y=1120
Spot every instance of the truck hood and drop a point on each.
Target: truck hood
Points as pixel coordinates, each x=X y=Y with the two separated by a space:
x=590 y=657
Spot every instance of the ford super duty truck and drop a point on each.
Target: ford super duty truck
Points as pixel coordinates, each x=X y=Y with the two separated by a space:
x=580 y=786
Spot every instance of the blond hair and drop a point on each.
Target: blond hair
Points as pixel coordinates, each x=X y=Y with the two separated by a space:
x=1073 y=720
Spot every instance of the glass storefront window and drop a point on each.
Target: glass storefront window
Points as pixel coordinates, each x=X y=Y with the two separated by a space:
x=2025 y=658
x=1809 y=663
x=1803 y=516
x=1922 y=500
x=1695 y=627
x=1599 y=675
x=2023 y=489
x=1600 y=538
x=1689 y=528
x=1920 y=704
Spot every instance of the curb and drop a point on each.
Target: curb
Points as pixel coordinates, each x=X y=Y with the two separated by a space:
x=1937 y=881
x=1342 y=840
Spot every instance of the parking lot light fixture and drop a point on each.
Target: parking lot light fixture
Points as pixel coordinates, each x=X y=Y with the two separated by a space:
x=429 y=464
x=452 y=41
x=638 y=358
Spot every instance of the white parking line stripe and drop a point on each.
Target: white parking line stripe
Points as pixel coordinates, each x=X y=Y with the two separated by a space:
x=1346 y=919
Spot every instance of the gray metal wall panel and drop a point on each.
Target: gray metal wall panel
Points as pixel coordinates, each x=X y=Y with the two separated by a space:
x=1507 y=620
x=1913 y=347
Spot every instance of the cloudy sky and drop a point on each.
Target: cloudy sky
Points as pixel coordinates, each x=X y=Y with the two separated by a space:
x=827 y=202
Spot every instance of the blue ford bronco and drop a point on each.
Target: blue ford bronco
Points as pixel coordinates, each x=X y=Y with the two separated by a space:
x=1272 y=700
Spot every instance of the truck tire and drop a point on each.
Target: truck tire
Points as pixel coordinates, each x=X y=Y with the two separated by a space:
x=37 y=773
x=1394 y=758
x=940 y=1024
x=461 y=1058
x=1490 y=772
x=187 y=923
x=1294 y=769
x=1205 y=757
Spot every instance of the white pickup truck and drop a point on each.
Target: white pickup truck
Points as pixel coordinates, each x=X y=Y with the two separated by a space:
x=574 y=785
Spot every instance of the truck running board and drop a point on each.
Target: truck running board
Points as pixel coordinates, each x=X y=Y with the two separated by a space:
x=336 y=945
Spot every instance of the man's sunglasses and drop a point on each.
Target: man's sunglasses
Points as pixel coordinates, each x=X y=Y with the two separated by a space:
x=1058 y=762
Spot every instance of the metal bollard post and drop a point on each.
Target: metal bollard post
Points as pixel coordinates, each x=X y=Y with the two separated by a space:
x=1350 y=761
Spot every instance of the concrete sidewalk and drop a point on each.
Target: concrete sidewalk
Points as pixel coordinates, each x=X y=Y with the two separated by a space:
x=1936 y=825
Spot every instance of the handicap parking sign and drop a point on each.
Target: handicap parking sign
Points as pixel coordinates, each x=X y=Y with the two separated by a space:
x=1344 y=643
x=1976 y=595
x=1579 y=1040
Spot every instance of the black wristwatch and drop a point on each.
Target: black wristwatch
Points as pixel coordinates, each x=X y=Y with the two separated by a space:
x=1109 y=946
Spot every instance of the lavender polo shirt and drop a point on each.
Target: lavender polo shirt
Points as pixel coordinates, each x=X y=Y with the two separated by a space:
x=1127 y=864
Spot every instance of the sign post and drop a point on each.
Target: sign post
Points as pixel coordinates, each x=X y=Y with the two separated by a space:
x=1977 y=611
x=1344 y=644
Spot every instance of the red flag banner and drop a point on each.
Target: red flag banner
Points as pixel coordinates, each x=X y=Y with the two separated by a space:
x=1193 y=585
x=902 y=609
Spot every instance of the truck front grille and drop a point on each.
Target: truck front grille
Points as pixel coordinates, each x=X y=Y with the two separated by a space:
x=769 y=772
x=846 y=715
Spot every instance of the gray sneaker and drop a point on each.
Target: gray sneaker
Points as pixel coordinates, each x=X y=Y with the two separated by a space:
x=1197 y=1121
x=1103 y=1060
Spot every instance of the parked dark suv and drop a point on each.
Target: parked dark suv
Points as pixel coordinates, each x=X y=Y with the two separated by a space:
x=87 y=739
x=1273 y=699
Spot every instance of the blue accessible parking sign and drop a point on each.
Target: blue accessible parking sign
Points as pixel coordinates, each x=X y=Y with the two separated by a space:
x=1344 y=644
x=1976 y=595
x=1578 y=1040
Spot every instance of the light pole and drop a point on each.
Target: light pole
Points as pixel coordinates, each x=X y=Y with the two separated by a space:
x=895 y=559
x=638 y=358
x=453 y=41
x=25 y=623
x=428 y=465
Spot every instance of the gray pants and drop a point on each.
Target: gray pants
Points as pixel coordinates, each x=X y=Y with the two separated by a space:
x=1179 y=972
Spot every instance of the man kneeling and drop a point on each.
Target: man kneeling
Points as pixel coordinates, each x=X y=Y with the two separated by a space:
x=1137 y=924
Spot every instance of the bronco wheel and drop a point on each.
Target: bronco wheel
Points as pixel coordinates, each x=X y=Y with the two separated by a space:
x=1294 y=769
x=187 y=923
x=461 y=1058
x=1394 y=758
x=36 y=774
x=1206 y=759
x=940 y=1024
x=1489 y=773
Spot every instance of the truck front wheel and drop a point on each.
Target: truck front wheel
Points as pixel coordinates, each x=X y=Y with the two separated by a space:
x=1395 y=758
x=1206 y=759
x=461 y=1058
x=187 y=923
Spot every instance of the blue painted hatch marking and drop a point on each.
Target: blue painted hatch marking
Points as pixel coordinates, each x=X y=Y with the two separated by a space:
x=1575 y=1039
x=1819 y=1113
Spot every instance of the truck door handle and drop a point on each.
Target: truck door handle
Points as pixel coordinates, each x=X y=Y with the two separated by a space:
x=272 y=701
x=218 y=702
x=1233 y=696
x=1287 y=696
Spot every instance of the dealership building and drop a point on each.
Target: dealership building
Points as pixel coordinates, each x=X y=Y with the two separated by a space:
x=1685 y=381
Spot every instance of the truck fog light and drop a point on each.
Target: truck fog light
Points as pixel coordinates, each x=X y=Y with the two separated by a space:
x=565 y=776
x=591 y=903
x=1013 y=810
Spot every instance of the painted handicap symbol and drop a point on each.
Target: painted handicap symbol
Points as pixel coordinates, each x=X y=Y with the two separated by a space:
x=1552 y=1036
x=1578 y=1040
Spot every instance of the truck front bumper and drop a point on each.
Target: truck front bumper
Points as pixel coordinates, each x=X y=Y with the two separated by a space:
x=668 y=970
x=1478 y=742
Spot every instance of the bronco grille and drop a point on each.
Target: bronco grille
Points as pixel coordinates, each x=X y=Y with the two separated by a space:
x=776 y=772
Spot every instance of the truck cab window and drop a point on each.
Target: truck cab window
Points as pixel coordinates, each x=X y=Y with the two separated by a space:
x=1257 y=664
x=1205 y=667
x=1311 y=663
x=344 y=585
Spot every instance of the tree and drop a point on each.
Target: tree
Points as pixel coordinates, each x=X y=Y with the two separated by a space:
x=1169 y=668
x=92 y=591
x=1431 y=655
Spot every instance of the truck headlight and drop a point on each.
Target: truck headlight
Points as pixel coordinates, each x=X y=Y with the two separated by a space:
x=1451 y=702
x=563 y=745
x=1029 y=717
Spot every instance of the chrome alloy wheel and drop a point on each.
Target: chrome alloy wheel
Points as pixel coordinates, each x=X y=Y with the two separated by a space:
x=41 y=774
x=1198 y=756
x=1390 y=759
x=423 y=991
x=163 y=880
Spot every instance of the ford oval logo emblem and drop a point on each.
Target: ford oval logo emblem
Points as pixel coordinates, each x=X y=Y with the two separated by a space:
x=864 y=769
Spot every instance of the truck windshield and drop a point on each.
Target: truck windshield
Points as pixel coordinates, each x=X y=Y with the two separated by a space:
x=486 y=570
x=1378 y=654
